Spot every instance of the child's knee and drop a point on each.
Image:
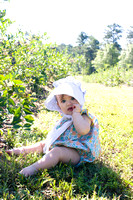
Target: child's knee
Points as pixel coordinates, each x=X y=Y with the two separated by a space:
x=65 y=154
x=57 y=152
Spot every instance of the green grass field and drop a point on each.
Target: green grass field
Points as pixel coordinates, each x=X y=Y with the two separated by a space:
x=110 y=177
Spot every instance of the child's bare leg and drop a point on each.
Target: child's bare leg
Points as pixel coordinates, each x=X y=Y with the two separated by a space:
x=52 y=158
x=38 y=147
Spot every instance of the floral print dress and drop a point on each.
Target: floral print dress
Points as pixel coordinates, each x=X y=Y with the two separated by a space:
x=87 y=145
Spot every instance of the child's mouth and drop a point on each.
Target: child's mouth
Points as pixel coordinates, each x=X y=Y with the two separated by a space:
x=70 y=109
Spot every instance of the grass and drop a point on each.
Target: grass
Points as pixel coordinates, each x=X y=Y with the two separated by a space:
x=110 y=177
x=112 y=77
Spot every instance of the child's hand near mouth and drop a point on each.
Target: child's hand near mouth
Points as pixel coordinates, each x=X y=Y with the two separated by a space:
x=76 y=108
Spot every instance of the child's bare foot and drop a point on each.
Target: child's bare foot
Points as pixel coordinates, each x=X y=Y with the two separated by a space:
x=28 y=171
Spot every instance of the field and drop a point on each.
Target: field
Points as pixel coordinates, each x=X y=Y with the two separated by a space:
x=110 y=177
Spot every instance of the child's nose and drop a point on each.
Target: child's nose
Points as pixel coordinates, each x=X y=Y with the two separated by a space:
x=69 y=102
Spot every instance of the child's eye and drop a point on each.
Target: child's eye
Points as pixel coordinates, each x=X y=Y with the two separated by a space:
x=63 y=101
x=72 y=98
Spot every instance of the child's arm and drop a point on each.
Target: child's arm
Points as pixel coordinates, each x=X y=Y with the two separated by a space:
x=38 y=147
x=81 y=122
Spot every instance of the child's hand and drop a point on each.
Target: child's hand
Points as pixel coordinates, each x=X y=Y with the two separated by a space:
x=28 y=171
x=76 y=108
x=15 y=151
x=10 y=152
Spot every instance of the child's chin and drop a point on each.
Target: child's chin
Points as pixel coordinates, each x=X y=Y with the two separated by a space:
x=68 y=113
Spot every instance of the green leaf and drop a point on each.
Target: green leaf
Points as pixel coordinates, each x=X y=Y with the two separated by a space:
x=8 y=157
x=29 y=118
x=27 y=111
x=1 y=109
x=18 y=82
x=26 y=103
x=2 y=101
x=18 y=112
x=27 y=125
x=17 y=115
x=16 y=121
x=10 y=92
x=26 y=106
x=11 y=110
x=11 y=102
x=2 y=77
x=16 y=126
x=21 y=89
x=32 y=104
x=1 y=83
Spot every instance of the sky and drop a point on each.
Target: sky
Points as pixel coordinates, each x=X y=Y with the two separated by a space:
x=64 y=20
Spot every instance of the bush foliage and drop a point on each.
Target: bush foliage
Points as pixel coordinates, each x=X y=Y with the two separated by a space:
x=28 y=66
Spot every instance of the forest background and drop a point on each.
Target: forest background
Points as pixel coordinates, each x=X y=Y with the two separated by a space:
x=29 y=65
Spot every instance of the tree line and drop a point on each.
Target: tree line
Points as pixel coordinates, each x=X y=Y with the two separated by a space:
x=94 y=56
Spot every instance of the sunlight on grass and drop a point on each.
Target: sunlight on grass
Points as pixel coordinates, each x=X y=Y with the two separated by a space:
x=113 y=107
x=110 y=177
x=45 y=120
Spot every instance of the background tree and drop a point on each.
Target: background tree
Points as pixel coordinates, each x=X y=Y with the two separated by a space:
x=88 y=46
x=4 y=23
x=82 y=39
x=130 y=35
x=91 y=49
x=126 y=57
x=106 y=57
x=112 y=34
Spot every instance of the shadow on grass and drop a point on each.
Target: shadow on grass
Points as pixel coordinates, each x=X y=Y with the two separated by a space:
x=60 y=182
x=92 y=177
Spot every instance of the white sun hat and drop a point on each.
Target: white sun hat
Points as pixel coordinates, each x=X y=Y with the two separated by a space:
x=68 y=86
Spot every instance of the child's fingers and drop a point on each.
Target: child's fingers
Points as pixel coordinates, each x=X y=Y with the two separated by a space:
x=15 y=151
x=77 y=107
x=28 y=171
x=9 y=152
x=24 y=173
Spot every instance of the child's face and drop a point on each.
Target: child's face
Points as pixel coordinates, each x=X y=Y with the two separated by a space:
x=66 y=103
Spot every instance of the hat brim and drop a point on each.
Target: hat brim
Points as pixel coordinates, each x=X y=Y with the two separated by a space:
x=71 y=90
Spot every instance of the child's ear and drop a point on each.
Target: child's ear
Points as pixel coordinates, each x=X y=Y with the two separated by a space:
x=57 y=101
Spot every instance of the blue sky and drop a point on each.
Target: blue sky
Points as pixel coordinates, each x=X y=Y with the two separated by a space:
x=63 y=20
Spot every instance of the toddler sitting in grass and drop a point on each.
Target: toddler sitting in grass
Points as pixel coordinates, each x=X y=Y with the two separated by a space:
x=75 y=137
